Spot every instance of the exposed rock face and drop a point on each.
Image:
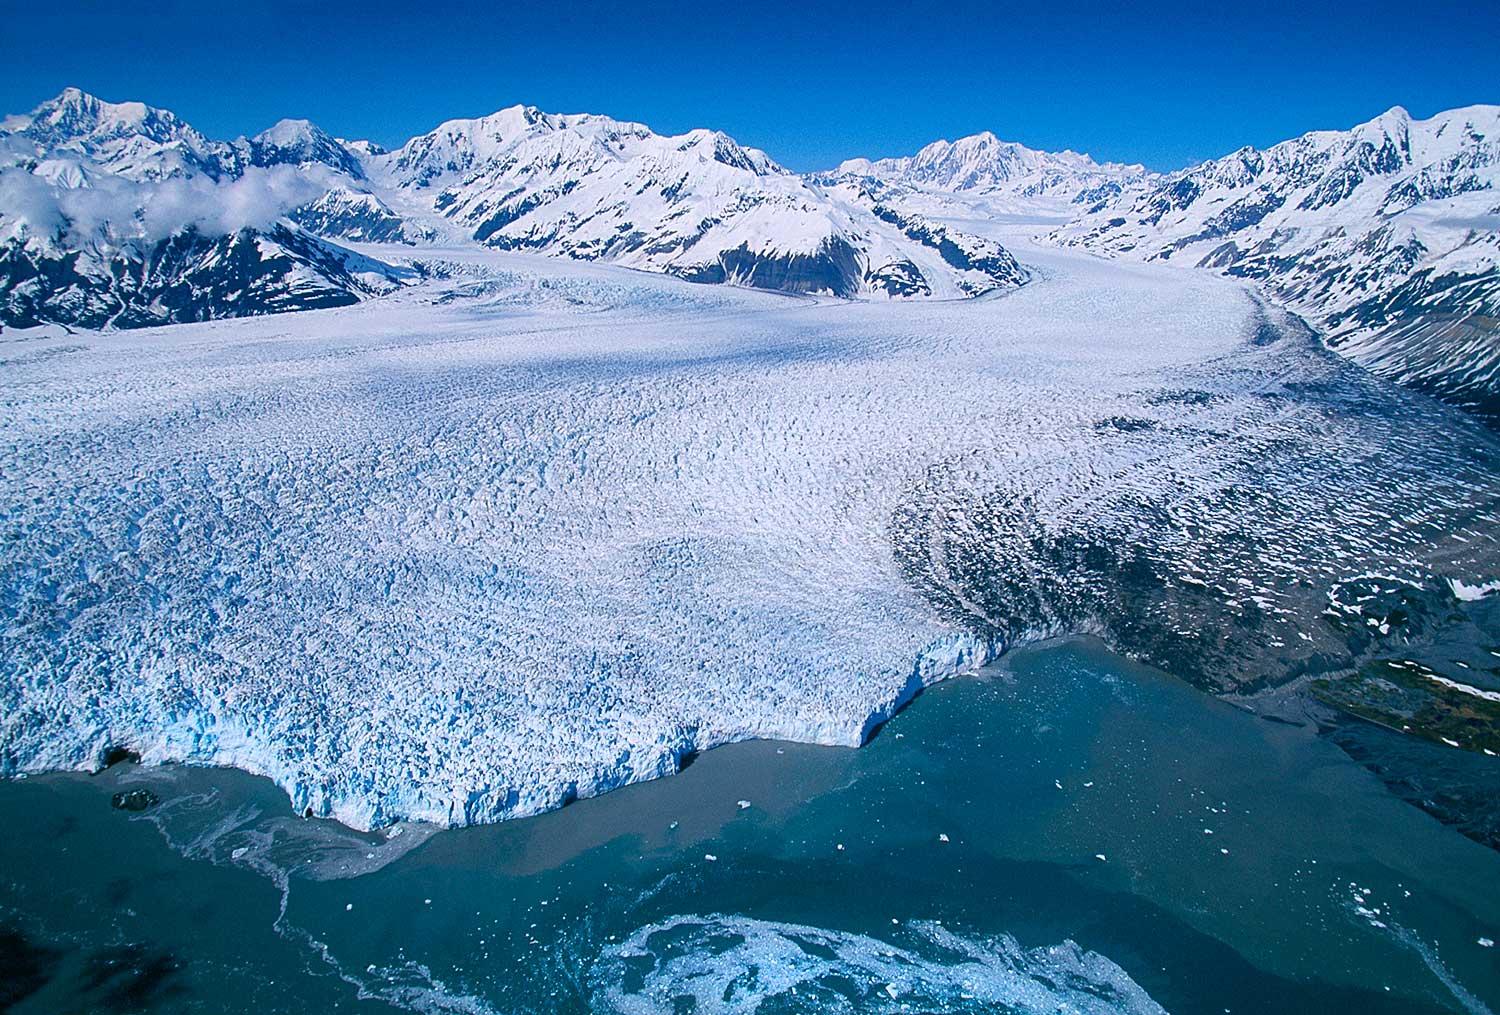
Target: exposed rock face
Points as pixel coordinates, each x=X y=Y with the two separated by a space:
x=299 y=143
x=134 y=800
x=832 y=268
x=352 y=215
x=187 y=277
x=118 y=215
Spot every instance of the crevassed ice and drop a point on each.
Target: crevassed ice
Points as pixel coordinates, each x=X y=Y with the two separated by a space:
x=533 y=530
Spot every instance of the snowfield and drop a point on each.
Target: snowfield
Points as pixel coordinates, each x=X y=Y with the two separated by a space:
x=531 y=530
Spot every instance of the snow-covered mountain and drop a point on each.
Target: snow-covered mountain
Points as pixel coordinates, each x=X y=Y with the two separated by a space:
x=982 y=165
x=697 y=205
x=1386 y=236
x=121 y=215
x=142 y=143
x=300 y=143
x=187 y=276
x=94 y=195
x=128 y=139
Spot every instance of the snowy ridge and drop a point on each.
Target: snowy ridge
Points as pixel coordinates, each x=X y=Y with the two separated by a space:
x=188 y=276
x=145 y=144
x=300 y=143
x=698 y=205
x=129 y=139
x=984 y=164
x=87 y=187
x=1386 y=235
x=118 y=215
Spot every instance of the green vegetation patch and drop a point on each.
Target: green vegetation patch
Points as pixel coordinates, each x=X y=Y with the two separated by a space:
x=1410 y=697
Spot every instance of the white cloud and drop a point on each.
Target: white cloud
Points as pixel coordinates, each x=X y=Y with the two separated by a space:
x=113 y=209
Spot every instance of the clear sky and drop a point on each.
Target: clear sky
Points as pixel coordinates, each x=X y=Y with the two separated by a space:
x=812 y=82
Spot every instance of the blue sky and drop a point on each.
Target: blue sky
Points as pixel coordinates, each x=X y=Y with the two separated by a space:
x=811 y=82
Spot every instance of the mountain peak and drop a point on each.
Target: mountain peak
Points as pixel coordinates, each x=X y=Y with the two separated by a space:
x=288 y=132
x=720 y=147
x=985 y=162
x=518 y=119
x=300 y=142
x=76 y=113
x=133 y=139
x=74 y=99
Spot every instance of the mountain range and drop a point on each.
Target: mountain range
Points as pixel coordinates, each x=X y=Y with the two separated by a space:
x=1385 y=237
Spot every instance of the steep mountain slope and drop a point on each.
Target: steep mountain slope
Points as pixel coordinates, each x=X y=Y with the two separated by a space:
x=1387 y=236
x=142 y=143
x=698 y=205
x=121 y=215
x=128 y=139
x=92 y=189
x=187 y=276
x=300 y=143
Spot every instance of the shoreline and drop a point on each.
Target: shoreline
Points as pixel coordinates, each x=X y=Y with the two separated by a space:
x=1117 y=735
x=960 y=656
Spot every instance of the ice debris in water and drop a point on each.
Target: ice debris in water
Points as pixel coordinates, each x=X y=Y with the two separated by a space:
x=724 y=965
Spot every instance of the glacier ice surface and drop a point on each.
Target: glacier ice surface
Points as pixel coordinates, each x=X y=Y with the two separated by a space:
x=532 y=530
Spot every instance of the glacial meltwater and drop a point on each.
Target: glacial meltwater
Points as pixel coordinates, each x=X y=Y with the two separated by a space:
x=1066 y=832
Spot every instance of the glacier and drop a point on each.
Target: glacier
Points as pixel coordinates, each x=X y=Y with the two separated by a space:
x=526 y=529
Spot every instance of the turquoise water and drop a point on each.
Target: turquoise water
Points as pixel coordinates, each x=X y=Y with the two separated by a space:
x=1201 y=859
